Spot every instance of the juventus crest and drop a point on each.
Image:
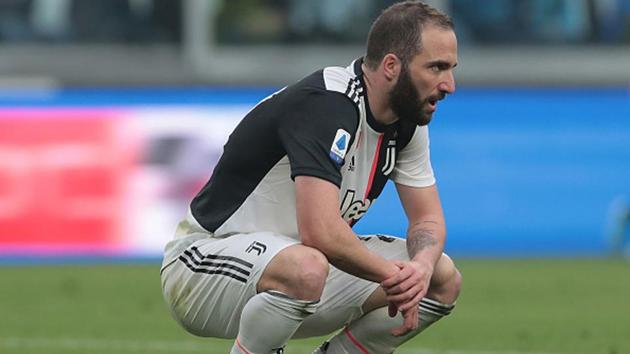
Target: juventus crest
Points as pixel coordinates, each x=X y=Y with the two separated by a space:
x=390 y=158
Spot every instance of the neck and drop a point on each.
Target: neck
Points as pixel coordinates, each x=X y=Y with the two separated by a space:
x=378 y=96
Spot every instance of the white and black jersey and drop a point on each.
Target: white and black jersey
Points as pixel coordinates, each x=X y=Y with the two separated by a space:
x=321 y=126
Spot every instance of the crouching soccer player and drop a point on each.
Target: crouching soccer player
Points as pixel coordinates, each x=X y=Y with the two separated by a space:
x=267 y=252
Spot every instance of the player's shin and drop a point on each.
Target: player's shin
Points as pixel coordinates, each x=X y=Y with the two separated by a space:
x=268 y=321
x=372 y=332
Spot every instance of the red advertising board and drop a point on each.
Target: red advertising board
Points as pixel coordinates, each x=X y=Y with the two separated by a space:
x=63 y=181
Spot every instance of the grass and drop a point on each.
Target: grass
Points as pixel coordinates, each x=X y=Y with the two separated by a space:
x=506 y=306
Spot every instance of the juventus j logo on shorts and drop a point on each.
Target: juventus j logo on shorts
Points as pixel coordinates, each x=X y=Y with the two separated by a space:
x=257 y=247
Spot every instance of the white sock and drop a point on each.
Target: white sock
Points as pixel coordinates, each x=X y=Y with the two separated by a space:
x=268 y=321
x=371 y=334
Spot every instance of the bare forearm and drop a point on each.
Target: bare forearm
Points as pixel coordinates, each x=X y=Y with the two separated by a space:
x=348 y=253
x=425 y=241
x=320 y=226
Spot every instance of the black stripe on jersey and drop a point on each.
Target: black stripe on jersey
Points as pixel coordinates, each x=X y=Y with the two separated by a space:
x=198 y=263
x=396 y=137
x=386 y=160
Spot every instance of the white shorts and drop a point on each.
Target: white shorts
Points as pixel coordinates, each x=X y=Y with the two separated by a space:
x=210 y=283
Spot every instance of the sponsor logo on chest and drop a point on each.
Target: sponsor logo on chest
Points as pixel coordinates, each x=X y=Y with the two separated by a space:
x=353 y=209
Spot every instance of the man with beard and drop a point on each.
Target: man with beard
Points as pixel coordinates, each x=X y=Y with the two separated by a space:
x=267 y=252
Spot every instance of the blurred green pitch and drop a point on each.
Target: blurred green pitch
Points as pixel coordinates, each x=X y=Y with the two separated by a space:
x=506 y=306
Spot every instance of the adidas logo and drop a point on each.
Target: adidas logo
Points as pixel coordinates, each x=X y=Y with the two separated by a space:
x=351 y=166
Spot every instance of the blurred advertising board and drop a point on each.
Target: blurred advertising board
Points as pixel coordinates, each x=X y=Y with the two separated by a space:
x=522 y=172
x=102 y=181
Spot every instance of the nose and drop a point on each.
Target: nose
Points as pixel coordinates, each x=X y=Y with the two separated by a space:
x=448 y=83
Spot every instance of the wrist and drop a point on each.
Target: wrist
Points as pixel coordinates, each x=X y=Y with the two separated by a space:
x=424 y=262
x=391 y=270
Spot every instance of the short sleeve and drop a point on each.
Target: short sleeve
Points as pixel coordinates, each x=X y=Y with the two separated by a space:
x=316 y=132
x=413 y=164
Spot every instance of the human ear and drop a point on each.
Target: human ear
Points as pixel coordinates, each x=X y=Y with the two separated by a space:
x=391 y=67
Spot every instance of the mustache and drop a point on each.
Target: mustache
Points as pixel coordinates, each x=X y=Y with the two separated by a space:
x=437 y=97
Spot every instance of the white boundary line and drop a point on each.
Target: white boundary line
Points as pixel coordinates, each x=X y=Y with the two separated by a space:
x=116 y=345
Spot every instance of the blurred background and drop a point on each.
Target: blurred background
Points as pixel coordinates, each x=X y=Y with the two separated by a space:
x=114 y=112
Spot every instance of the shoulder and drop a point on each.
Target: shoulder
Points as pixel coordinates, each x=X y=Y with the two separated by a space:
x=325 y=95
x=407 y=132
x=341 y=80
x=413 y=140
x=334 y=82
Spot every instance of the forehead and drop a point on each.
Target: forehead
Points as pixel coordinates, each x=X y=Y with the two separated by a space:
x=438 y=44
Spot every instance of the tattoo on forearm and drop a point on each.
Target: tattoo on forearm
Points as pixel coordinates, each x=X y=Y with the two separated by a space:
x=420 y=239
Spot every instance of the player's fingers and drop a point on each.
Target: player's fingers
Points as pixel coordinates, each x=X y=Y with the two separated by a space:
x=405 y=286
x=412 y=319
x=413 y=303
x=416 y=318
x=396 y=279
x=399 y=331
x=399 y=289
x=406 y=295
x=402 y=298
x=410 y=323
x=391 y=281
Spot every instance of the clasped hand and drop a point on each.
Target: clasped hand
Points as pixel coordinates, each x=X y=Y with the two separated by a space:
x=404 y=291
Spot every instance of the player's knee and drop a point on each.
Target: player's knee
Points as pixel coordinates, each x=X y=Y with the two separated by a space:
x=311 y=274
x=453 y=287
x=446 y=283
x=298 y=271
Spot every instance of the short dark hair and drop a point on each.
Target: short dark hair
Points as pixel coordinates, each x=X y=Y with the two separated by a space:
x=398 y=30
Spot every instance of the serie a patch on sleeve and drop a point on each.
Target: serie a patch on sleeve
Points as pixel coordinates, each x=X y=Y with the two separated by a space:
x=340 y=146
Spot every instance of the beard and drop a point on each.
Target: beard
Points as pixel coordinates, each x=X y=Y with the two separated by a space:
x=406 y=102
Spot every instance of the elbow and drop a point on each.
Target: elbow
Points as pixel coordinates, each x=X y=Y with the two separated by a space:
x=322 y=233
x=311 y=238
x=315 y=237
